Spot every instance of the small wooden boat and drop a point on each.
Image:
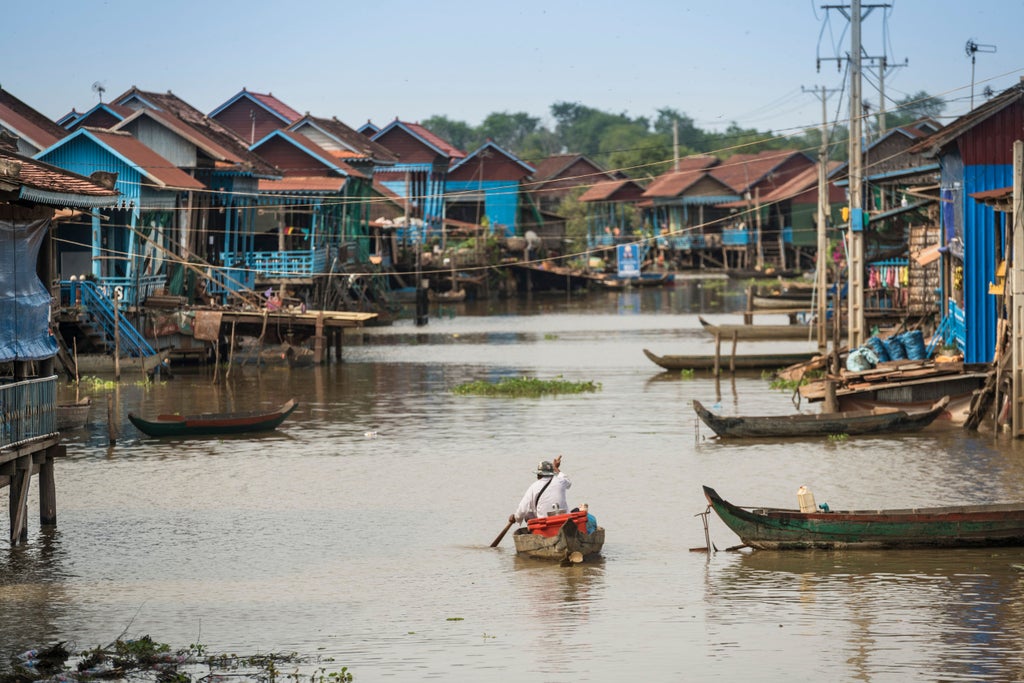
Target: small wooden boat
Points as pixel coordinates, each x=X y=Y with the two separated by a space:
x=963 y=526
x=769 y=361
x=852 y=422
x=643 y=280
x=449 y=296
x=761 y=332
x=205 y=424
x=559 y=537
x=73 y=415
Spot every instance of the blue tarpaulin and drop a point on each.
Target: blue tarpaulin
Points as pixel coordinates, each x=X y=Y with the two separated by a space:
x=24 y=299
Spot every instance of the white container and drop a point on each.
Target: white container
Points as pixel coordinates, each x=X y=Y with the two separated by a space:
x=806 y=500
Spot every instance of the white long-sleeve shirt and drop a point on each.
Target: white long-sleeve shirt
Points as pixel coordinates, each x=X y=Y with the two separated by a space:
x=554 y=494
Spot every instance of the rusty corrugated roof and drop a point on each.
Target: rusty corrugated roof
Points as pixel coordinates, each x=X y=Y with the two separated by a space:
x=742 y=171
x=54 y=185
x=689 y=170
x=27 y=123
x=155 y=167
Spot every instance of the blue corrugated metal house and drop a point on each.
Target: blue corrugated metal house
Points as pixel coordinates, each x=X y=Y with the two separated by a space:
x=486 y=185
x=128 y=248
x=975 y=154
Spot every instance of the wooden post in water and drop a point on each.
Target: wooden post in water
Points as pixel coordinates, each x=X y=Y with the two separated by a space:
x=117 y=341
x=231 y=350
x=318 y=340
x=748 y=316
x=718 y=353
x=732 y=357
x=831 y=402
x=111 y=424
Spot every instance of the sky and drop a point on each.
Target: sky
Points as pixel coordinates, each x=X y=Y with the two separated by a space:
x=750 y=62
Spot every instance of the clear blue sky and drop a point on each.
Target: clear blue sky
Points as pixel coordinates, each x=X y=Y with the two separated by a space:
x=743 y=61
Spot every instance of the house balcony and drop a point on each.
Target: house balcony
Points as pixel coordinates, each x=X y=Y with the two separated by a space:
x=27 y=412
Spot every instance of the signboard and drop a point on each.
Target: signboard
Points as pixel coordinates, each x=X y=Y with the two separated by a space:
x=629 y=260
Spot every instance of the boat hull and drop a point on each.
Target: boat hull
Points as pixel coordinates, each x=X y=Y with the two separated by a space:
x=73 y=415
x=213 y=423
x=561 y=546
x=854 y=422
x=943 y=527
x=750 y=362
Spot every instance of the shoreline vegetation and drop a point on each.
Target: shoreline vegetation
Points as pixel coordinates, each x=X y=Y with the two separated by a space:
x=525 y=387
x=146 y=659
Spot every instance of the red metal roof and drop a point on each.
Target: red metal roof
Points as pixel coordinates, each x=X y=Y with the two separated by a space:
x=27 y=123
x=151 y=164
x=689 y=170
x=607 y=190
x=270 y=102
x=448 y=148
x=742 y=171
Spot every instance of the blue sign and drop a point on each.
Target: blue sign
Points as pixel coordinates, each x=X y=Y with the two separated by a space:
x=629 y=260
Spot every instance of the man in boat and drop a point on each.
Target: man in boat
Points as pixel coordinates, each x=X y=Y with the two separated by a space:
x=546 y=495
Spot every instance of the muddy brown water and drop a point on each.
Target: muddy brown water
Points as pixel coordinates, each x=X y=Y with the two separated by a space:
x=359 y=530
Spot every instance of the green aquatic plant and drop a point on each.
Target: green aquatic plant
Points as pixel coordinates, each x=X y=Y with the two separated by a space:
x=519 y=387
x=838 y=437
x=687 y=373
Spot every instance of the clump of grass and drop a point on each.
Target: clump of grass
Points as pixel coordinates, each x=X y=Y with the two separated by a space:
x=687 y=373
x=838 y=437
x=518 y=387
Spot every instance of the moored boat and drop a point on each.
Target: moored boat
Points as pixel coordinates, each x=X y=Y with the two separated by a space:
x=769 y=361
x=559 y=537
x=73 y=415
x=963 y=526
x=760 y=332
x=851 y=422
x=205 y=424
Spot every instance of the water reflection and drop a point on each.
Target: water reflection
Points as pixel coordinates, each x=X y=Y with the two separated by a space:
x=884 y=612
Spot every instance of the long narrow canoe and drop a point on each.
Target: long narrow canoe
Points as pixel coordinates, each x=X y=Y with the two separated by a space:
x=945 y=527
x=762 y=332
x=852 y=422
x=206 y=424
x=764 y=361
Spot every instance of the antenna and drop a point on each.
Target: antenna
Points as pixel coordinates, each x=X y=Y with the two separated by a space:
x=971 y=49
x=99 y=89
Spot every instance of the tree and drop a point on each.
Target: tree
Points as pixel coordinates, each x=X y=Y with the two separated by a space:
x=458 y=133
x=509 y=131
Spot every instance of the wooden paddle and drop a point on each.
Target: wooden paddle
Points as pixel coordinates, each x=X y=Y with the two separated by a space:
x=495 y=542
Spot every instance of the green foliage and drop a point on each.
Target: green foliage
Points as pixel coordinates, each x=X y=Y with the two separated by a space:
x=838 y=437
x=687 y=373
x=525 y=387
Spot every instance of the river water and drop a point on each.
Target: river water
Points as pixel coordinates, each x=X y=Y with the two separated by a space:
x=359 y=531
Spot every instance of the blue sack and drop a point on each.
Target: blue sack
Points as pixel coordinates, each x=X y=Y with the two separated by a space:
x=895 y=348
x=879 y=348
x=913 y=343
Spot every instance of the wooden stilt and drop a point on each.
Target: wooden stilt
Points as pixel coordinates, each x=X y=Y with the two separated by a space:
x=318 y=340
x=19 y=501
x=47 y=486
x=231 y=350
x=111 y=423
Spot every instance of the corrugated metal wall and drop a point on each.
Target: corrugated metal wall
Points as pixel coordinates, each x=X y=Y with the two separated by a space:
x=981 y=237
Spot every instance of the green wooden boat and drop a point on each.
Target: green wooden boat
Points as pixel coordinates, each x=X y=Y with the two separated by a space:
x=206 y=424
x=965 y=526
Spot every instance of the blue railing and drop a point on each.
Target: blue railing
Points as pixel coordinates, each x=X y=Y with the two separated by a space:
x=735 y=237
x=100 y=309
x=280 y=264
x=27 y=410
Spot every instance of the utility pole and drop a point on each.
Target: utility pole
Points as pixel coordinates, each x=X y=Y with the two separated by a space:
x=855 y=247
x=821 y=263
x=855 y=229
